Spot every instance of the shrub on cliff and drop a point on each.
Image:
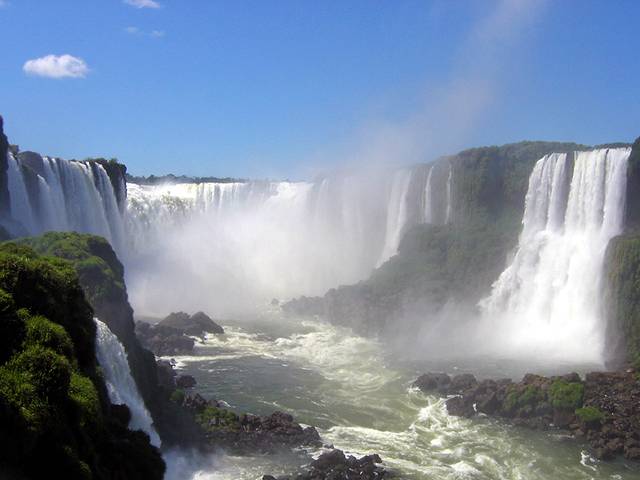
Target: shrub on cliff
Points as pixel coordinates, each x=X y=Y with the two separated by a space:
x=590 y=415
x=566 y=395
x=622 y=301
x=55 y=417
x=49 y=287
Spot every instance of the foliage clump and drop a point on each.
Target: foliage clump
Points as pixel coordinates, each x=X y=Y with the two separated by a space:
x=212 y=418
x=529 y=396
x=566 y=395
x=54 y=410
x=590 y=414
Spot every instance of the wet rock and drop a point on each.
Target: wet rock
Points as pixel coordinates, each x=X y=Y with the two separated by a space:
x=172 y=335
x=603 y=410
x=121 y=414
x=185 y=381
x=461 y=383
x=163 y=340
x=460 y=407
x=335 y=465
x=197 y=324
x=430 y=382
x=166 y=374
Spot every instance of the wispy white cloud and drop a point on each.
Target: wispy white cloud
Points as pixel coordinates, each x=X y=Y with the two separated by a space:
x=54 y=66
x=4 y=3
x=142 y=33
x=142 y=3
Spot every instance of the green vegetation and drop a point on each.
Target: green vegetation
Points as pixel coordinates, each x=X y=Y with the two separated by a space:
x=212 y=418
x=41 y=331
x=566 y=395
x=100 y=272
x=171 y=178
x=529 y=396
x=54 y=410
x=590 y=415
x=622 y=299
x=632 y=210
x=177 y=396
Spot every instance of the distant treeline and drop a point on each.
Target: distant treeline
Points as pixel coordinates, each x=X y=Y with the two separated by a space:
x=170 y=178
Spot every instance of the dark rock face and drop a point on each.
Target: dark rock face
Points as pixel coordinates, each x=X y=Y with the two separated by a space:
x=604 y=409
x=172 y=335
x=335 y=465
x=66 y=426
x=163 y=341
x=5 y=204
x=101 y=276
x=197 y=324
x=185 y=381
x=632 y=220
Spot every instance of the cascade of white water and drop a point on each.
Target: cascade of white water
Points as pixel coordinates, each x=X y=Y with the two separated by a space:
x=396 y=214
x=120 y=384
x=449 y=209
x=427 y=201
x=68 y=196
x=282 y=239
x=21 y=207
x=547 y=299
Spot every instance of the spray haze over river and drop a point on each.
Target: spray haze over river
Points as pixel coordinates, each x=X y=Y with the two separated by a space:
x=360 y=397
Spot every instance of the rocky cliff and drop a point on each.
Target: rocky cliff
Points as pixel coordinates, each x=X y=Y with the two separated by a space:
x=101 y=276
x=455 y=260
x=57 y=420
x=4 y=187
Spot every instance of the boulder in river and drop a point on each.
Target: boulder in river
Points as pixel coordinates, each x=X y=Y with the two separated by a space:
x=197 y=324
x=603 y=409
x=335 y=465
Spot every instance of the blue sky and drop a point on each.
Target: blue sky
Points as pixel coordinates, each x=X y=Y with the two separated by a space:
x=284 y=88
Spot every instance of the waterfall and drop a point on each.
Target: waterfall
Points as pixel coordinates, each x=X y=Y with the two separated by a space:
x=396 y=214
x=548 y=298
x=20 y=204
x=53 y=194
x=449 y=209
x=120 y=384
x=246 y=241
x=427 y=201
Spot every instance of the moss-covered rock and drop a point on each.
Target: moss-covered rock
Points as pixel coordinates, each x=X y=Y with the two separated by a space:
x=101 y=276
x=622 y=301
x=55 y=415
x=632 y=217
x=565 y=395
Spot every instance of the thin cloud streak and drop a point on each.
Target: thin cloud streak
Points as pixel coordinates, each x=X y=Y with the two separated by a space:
x=142 y=3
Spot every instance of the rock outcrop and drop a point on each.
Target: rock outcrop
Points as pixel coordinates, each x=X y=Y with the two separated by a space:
x=55 y=415
x=101 y=276
x=173 y=335
x=246 y=433
x=603 y=409
x=5 y=201
x=335 y=465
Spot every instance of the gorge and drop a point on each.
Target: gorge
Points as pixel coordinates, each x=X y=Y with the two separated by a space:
x=338 y=291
